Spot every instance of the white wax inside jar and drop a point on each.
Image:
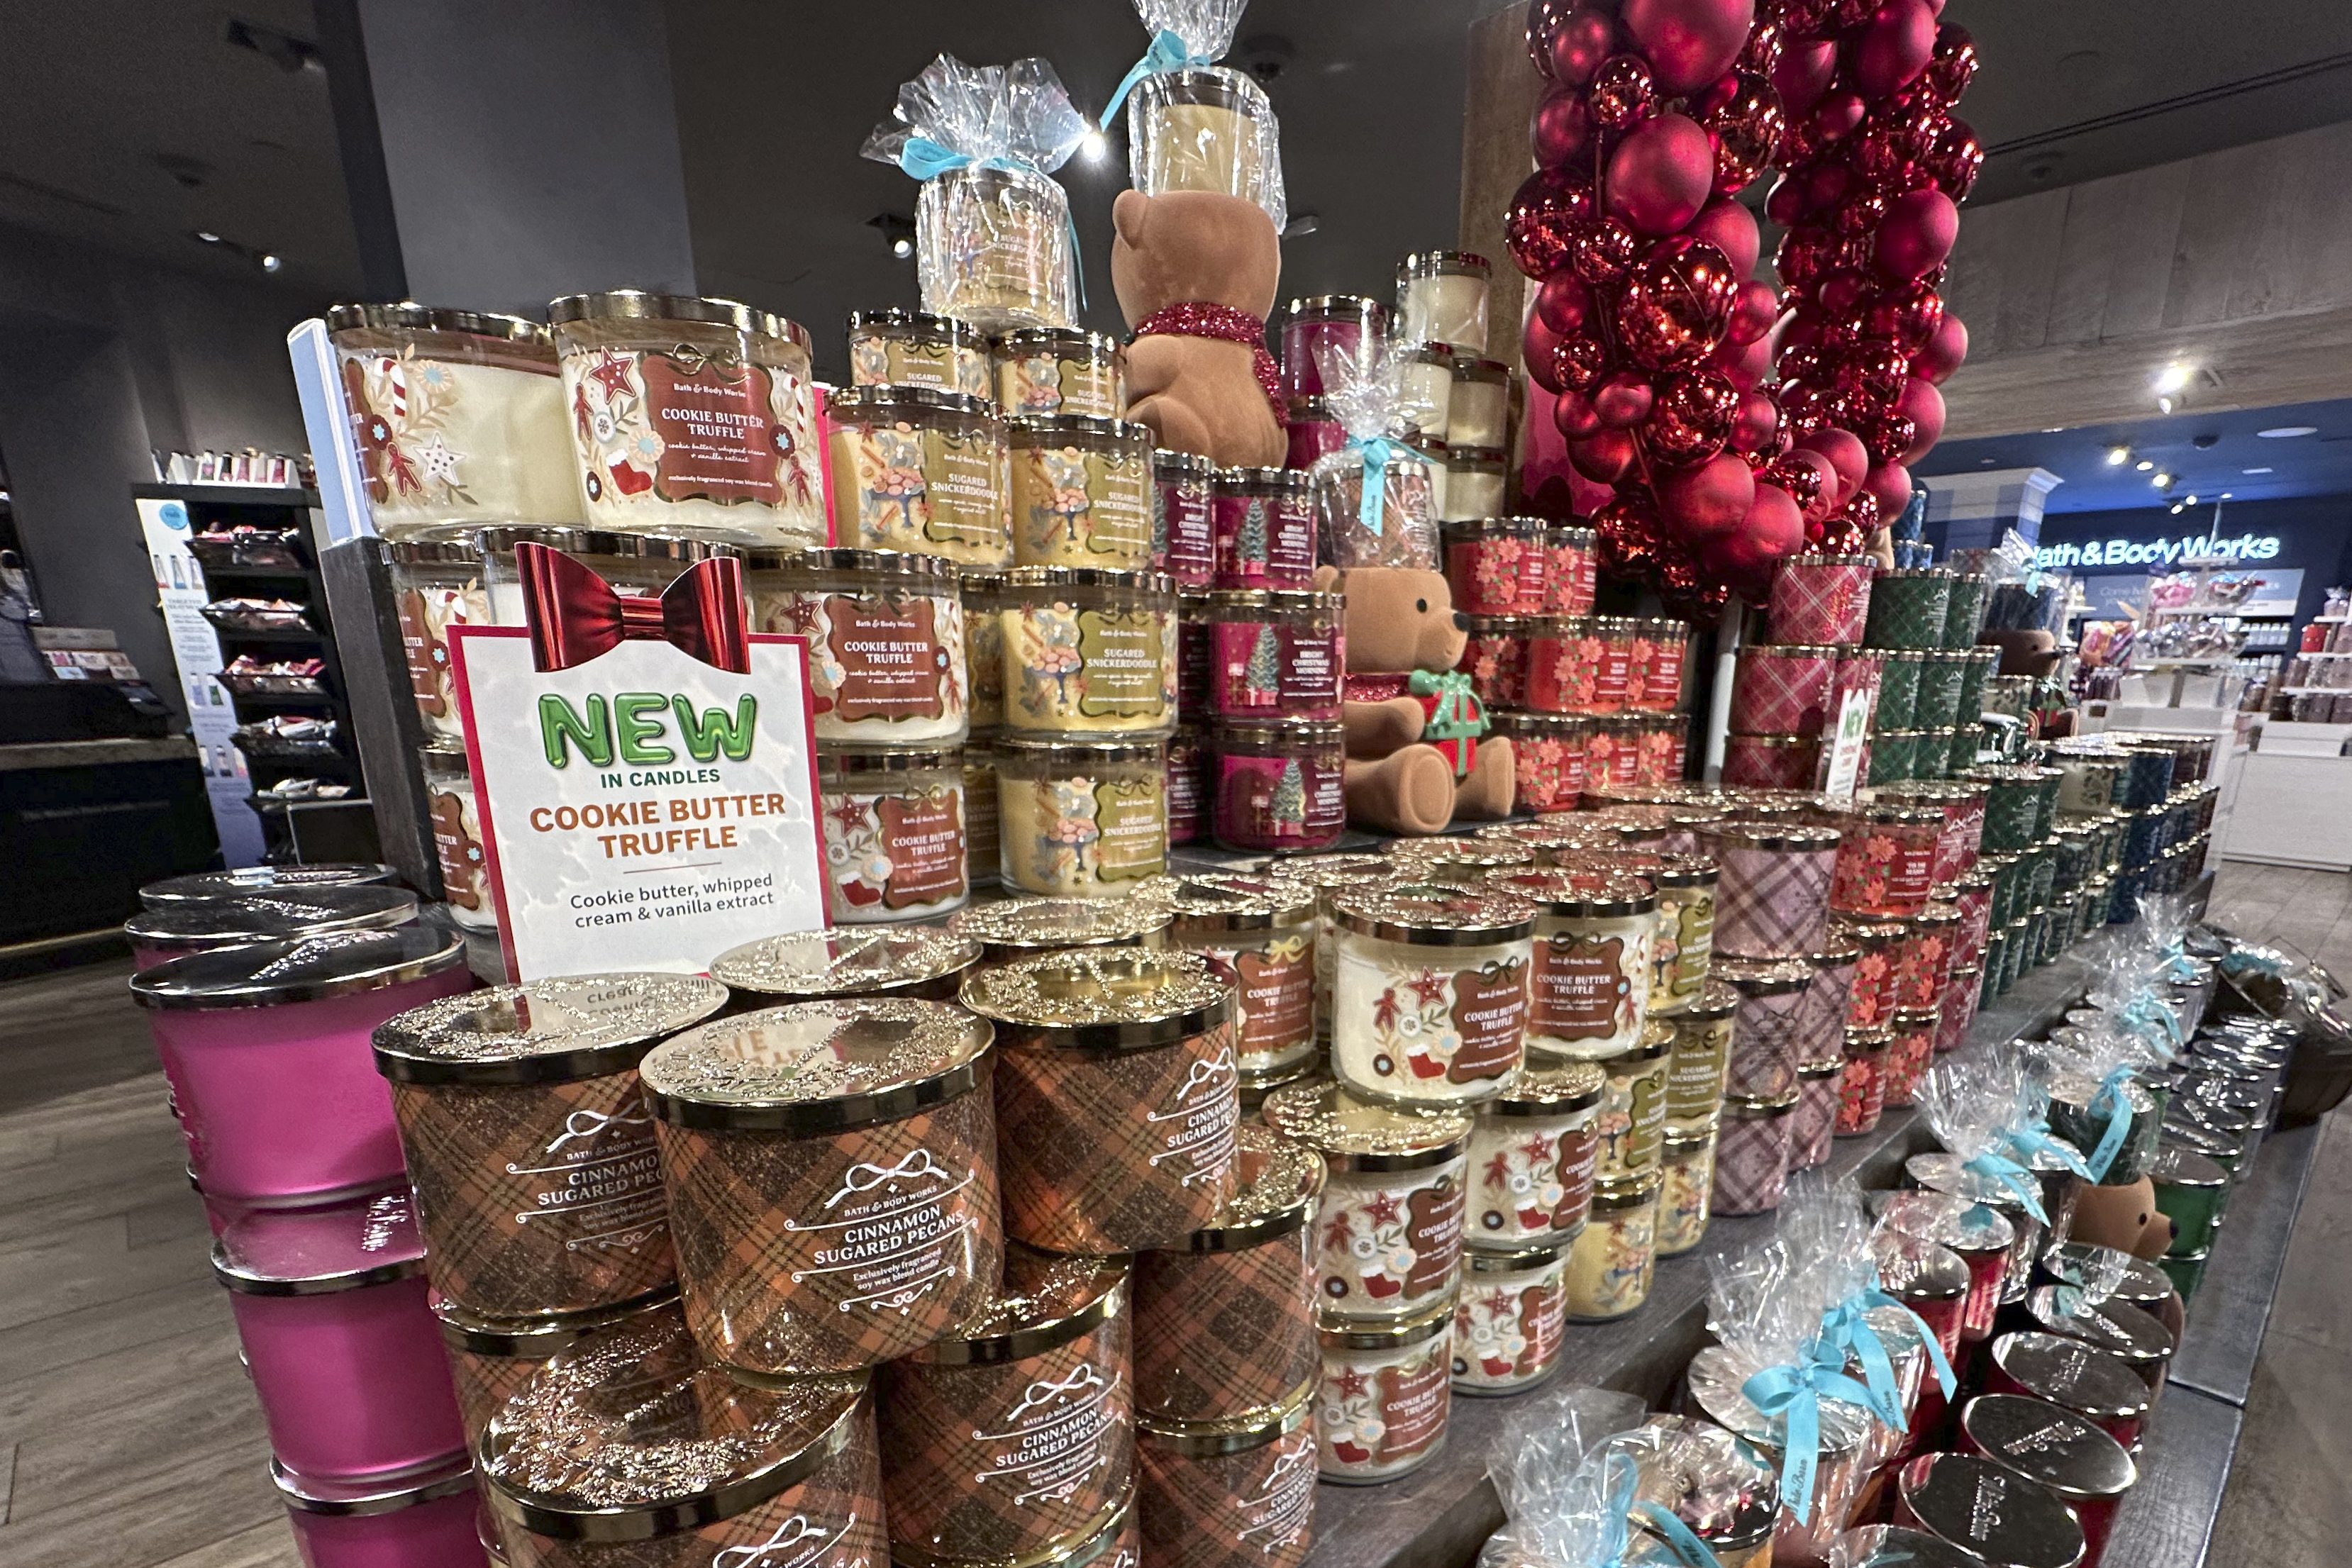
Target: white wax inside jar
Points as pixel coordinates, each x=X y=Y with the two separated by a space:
x=1201 y=147
x=1449 y=308
x=1592 y=991
x=1478 y=413
x=464 y=442
x=1471 y=493
x=1426 y=393
x=1506 y=1327
x=1427 y=1025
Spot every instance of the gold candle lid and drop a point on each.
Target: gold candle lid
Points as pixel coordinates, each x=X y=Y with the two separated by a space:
x=1209 y=905
x=1024 y=925
x=1756 y=977
x=1429 y=915
x=1587 y=891
x=1046 y=1301
x=1280 y=1183
x=1109 y=999
x=555 y=1031
x=813 y=1068
x=1354 y=1135
x=1425 y=1326
x=1550 y=1090
x=818 y=963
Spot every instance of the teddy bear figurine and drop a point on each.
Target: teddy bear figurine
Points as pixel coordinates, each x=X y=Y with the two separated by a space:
x=1418 y=756
x=1195 y=272
x=2124 y=1217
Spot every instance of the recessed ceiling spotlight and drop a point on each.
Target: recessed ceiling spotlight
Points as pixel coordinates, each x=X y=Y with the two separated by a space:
x=2164 y=405
x=2172 y=379
x=2162 y=480
x=2190 y=501
x=2225 y=495
x=267 y=261
x=902 y=247
x=2118 y=455
x=1093 y=145
x=2281 y=432
x=2254 y=470
x=2143 y=465
x=208 y=236
x=2176 y=509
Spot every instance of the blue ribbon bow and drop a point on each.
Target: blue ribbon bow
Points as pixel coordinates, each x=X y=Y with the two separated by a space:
x=1945 y=1379
x=1377 y=452
x=1169 y=52
x=2153 y=1021
x=1793 y=1395
x=2119 y=1121
x=2252 y=961
x=2013 y=1176
x=927 y=159
x=1623 y=1476
x=2032 y=1142
x=1844 y=1327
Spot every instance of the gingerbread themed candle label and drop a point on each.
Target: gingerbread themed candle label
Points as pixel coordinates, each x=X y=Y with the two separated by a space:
x=1386 y=1249
x=888 y=658
x=897 y=854
x=1591 y=987
x=1425 y=1032
x=686 y=427
x=1413 y=1404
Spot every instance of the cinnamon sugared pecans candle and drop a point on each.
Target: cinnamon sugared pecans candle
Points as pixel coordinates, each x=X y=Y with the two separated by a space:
x=832 y=1179
x=1240 y=1494
x=530 y=1149
x=1117 y=1096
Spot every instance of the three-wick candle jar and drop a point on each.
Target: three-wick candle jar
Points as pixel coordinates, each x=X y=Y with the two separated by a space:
x=1533 y=1156
x=1698 y=1070
x=1081 y=492
x=1430 y=996
x=1441 y=298
x=1239 y=1494
x=1050 y=369
x=1387 y=1232
x=914 y=964
x=1614 y=1259
x=1118 y=1094
x=1084 y=819
x=1386 y=1395
x=1509 y=1322
x=1023 y=927
x=1496 y=565
x=1327 y=328
x=1277 y=786
x=831 y=1177
x=490 y=1359
x=530 y=1149
x=1183 y=518
x=1261 y=942
x=895 y=837
x=1772 y=901
x=900 y=348
x=1276 y=654
x=1265 y=520
x=921 y=472
x=1088 y=652
x=886 y=648
x=994 y=246
x=1590 y=994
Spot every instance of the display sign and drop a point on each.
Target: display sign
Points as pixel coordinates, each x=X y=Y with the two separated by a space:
x=2158 y=552
x=1848 y=743
x=196 y=653
x=641 y=806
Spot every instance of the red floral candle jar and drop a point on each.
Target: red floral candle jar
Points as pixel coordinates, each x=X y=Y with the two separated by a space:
x=1862 y=1092
x=1548 y=753
x=1783 y=689
x=1265 y=529
x=1276 y=787
x=1495 y=659
x=1772 y=761
x=1934 y=933
x=1275 y=654
x=1610 y=756
x=1241 y=1496
x=1660 y=744
x=1661 y=648
x=1615 y=683
x=1509 y=1322
x=1224 y=1323
x=1013 y=1437
x=831 y=1179
x=1887 y=856
x=1117 y=1096
x=1563 y=665
x=1962 y=804
x=1496 y=566
x=1571 y=570
x=1387 y=1232
x=1909 y=1056
x=1821 y=599
x=1870 y=1000
x=1183 y=527
x=1385 y=1397
x=1533 y=1156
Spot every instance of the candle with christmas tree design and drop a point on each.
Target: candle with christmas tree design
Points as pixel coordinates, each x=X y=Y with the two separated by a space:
x=1265 y=529
x=1278 y=785
x=1276 y=654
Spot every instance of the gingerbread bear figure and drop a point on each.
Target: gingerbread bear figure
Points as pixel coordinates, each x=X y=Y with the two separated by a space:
x=1417 y=755
x=1196 y=274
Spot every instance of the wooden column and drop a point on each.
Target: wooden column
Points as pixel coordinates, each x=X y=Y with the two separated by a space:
x=1502 y=93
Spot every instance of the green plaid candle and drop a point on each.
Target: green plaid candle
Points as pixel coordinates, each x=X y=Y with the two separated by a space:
x=1941 y=674
x=1908 y=609
x=1966 y=611
x=1891 y=754
x=1898 y=690
x=1982 y=662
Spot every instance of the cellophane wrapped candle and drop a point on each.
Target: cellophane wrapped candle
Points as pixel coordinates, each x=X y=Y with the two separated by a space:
x=1430 y=1002
x=1927 y=1278
x=1388 y=1233
x=528 y=1147
x=1720 y=1487
x=1345 y=325
x=1441 y=298
x=1225 y=1321
x=1240 y=1495
x=1533 y=1156
x=1509 y=1322
x=1980 y=1237
x=1203 y=127
x=1375 y=499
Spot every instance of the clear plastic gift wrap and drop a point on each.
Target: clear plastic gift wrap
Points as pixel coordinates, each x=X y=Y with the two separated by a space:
x=1976 y=1104
x=1565 y=1501
x=994 y=244
x=1192 y=125
x=1375 y=497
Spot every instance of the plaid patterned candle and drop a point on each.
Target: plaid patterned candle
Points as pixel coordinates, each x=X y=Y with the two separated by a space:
x=2012 y=807
x=1783 y=689
x=1964 y=613
x=1898 y=688
x=1751 y=1153
x=1821 y=1021
x=1942 y=673
x=831 y=1175
x=1772 y=761
x=537 y=1187
x=1772 y=901
x=1962 y=803
x=1239 y=1496
x=1909 y=607
x=1767 y=1041
x=1821 y=599
x=1117 y=1096
x=1893 y=755
x=1814 y=1125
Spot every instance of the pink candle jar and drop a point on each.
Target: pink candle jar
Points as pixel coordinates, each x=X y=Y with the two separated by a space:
x=1909 y=1057
x=1196 y=642
x=1772 y=901
x=1752 y=1148
x=198 y=926
x=1980 y=1238
x=1314 y=433
x=1814 y=1126
x=1887 y=856
x=1821 y=1022
x=1661 y=646
x=1772 y=761
x=1277 y=786
x=1325 y=328
x=1548 y=752
x=1861 y=1092
x=1496 y=565
x=1870 y=997
x=1265 y=529
x=1821 y=599
x=1275 y=654
x=345 y=1356
x=529 y=1146
x=1571 y=570
x=1183 y=522
x=429 y=1517
x=1767 y=1040
x=266 y=1050
x=1495 y=659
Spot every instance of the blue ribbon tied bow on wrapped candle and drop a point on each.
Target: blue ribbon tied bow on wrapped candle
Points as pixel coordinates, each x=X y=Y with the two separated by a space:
x=1168 y=52
x=2029 y=1143
x=2012 y=1178
x=2119 y=1121
x=1377 y=453
x=1623 y=1509
x=927 y=159
x=1793 y=1395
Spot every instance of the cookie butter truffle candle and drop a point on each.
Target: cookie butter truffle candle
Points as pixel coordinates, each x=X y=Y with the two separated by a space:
x=917 y=965
x=528 y=1146
x=831 y=1180
x=1592 y=988
x=1013 y=1439
x=1533 y=1153
x=1117 y=1096
x=1387 y=1237
x=1386 y=1395
x=886 y=640
x=1260 y=939
x=1508 y=1323
x=1430 y=996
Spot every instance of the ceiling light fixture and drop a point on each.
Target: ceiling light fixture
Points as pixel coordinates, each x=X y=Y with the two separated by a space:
x=267 y=261
x=2143 y=465
x=2172 y=379
x=2191 y=501
x=2254 y=470
x=902 y=247
x=2164 y=405
x=2286 y=432
x=2162 y=480
x=2118 y=455
x=2176 y=509
x=208 y=236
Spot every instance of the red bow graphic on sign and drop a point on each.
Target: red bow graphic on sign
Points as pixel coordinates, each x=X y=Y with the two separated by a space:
x=574 y=616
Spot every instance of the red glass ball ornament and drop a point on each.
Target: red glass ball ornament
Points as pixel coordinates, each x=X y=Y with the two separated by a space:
x=1840 y=536
x=1953 y=64
x=1801 y=363
x=1880 y=369
x=1804 y=254
x=1756 y=429
x=1955 y=161
x=1539 y=349
x=1580 y=362
x=1803 y=75
x=1835 y=116
x=1575 y=48
x=1807 y=20
x=1877 y=155
x=1731 y=229
x=1804 y=405
x=1628 y=535
x=1861 y=511
x=1841 y=292
x=1893 y=49
x=1907 y=319
x=1814 y=534
x=1561 y=128
x=1923 y=405
x=1801 y=479
x=1543 y=218
x=1688 y=42
x=1678 y=579
x=1623 y=93
x=1661 y=175
x=1753 y=312
x=1603 y=251
x=1889 y=437
x=1743 y=120
x=1692 y=419
x=1913 y=119
x=1707 y=499
x=1761 y=52
x=1543 y=16
x=1565 y=303
x=1624 y=401
x=1744 y=365
x=1605 y=458
x=1677 y=303
x=1785 y=204
x=1573 y=415
x=1917 y=235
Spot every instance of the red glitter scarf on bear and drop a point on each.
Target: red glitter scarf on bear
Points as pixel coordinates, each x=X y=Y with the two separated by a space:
x=1198 y=318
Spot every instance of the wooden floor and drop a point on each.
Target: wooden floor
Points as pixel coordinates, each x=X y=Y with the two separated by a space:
x=129 y=1437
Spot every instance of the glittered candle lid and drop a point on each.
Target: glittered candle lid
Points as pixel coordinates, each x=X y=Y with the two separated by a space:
x=543 y=1031
x=1235 y=901
x=815 y=1068
x=1353 y=1136
x=244 y=882
x=321 y=1251
x=1106 y=998
x=1761 y=978
x=635 y=1437
x=1046 y=1301
x=1453 y=849
x=1715 y=999
x=1041 y=925
x=536 y=1339
x=816 y=964
x=1717 y=1484
x=1578 y=892
x=1550 y=1091
x=1280 y=1183
x=1790 y=836
x=1429 y=915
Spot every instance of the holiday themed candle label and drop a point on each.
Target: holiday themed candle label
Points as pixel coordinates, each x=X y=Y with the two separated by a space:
x=890 y=1235
x=1277 y=998
x=1197 y=1122
x=425 y=615
x=1585 y=985
x=1633 y=1121
x=1503 y=1336
x=897 y=851
x=1519 y=1185
x=1276 y=669
x=1081 y=504
x=1263 y=543
x=1382 y=1249
x=1282 y=1509
x=922 y=489
x=881 y=656
x=684 y=426
x=641 y=810
x=1055 y=1437
x=458 y=845
x=1412 y=1401
x=1463 y=1027
x=1184 y=531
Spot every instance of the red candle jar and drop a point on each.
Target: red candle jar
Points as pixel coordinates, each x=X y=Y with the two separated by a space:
x=1660 y=649
x=1919 y=986
x=1862 y=1092
x=1188 y=784
x=1963 y=808
x=1887 y=856
x=1195 y=652
x=1985 y=1513
x=1903 y=956
x=1927 y=1277
x=1821 y=599
x=1979 y=1236
x=1612 y=757
x=1265 y=529
x=1571 y=570
x=2067 y=1454
x=1870 y=998
x=1314 y=433
x=2074 y=1377
x=1783 y=689
x=1661 y=745
x=1959 y=1008
x=1908 y=1059
x=1184 y=525
x=1496 y=565
x=1548 y=751
x=1327 y=328
x=1972 y=896
x=1772 y=761
x=1614 y=683
x=1275 y=654
x=1563 y=662
x=1277 y=786
x=1495 y=659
